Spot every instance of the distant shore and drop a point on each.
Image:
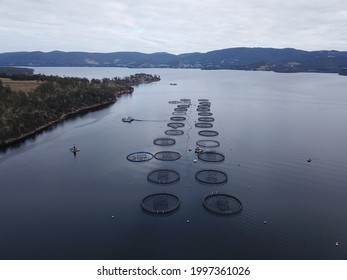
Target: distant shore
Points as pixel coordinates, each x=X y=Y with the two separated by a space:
x=286 y=60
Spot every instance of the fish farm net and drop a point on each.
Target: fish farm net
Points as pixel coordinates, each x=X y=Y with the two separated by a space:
x=183 y=106
x=163 y=176
x=174 y=132
x=204 y=125
x=203 y=100
x=175 y=124
x=211 y=156
x=160 y=203
x=209 y=176
x=205 y=114
x=202 y=106
x=203 y=109
x=222 y=204
x=139 y=156
x=179 y=113
x=205 y=103
x=180 y=109
x=167 y=156
x=208 y=143
x=186 y=100
x=178 y=119
x=206 y=119
x=208 y=133
x=164 y=141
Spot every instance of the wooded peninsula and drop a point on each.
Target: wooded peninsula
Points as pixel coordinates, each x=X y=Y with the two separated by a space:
x=30 y=103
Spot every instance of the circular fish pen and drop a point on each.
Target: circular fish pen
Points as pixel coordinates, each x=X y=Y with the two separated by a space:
x=178 y=119
x=163 y=176
x=174 y=102
x=174 y=132
x=208 y=133
x=203 y=106
x=179 y=113
x=205 y=103
x=175 y=124
x=205 y=114
x=208 y=143
x=203 y=109
x=185 y=100
x=206 y=119
x=139 y=156
x=180 y=109
x=211 y=157
x=222 y=204
x=203 y=125
x=183 y=106
x=167 y=155
x=203 y=100
x=164 y=142
x=210 y=176
x=160 y=203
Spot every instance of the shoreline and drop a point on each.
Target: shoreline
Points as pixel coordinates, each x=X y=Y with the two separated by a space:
x=7 y=143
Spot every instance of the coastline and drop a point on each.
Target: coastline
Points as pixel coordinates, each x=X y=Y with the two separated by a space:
x=7 y=143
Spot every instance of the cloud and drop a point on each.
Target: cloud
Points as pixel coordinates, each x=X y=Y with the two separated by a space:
x=174 y=26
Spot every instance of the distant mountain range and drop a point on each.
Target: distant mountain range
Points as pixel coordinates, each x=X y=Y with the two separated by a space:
x=267 y=59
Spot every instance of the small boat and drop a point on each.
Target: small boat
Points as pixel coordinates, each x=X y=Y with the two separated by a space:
x=127 y=119
x=198 y=150
x=74 y=149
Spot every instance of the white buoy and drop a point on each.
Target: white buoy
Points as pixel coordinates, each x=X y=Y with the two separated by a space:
x=187 y=221
x=337 y=243
x=195 y=161
x=112 y=217
x=264 y=222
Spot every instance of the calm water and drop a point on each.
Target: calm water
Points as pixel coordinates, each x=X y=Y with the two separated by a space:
x=57 y=206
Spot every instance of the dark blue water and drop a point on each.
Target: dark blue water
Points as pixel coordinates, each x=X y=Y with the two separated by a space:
x=57 y=206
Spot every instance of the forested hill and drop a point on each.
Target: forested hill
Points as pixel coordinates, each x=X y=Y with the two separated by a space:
x=268 y=59
x=30 y=103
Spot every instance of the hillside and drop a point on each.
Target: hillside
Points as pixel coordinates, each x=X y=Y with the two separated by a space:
x=30 y=103
x=266 y=59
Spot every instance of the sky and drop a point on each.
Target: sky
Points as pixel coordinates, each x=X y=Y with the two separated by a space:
x=174 y=26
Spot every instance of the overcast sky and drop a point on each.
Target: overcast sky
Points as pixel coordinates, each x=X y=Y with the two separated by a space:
x=174 y=26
